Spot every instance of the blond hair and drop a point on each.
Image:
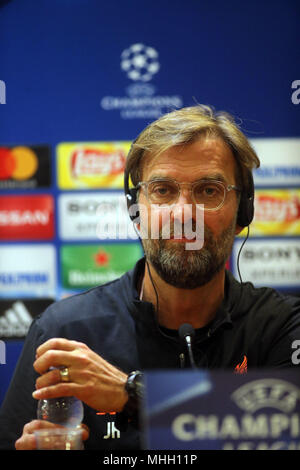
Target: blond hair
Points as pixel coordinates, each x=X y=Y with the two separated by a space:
x=184 y=126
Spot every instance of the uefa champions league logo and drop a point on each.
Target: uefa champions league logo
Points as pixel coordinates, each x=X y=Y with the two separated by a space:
x=140 y=62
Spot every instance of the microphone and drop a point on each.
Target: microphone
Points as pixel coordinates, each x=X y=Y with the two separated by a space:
x=186 y=334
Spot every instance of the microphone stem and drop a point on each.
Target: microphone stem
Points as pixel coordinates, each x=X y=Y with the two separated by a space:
x=189 y=348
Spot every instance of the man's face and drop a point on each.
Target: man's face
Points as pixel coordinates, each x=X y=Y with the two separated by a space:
x=209 y=158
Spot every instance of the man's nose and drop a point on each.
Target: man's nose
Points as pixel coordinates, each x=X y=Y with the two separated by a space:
x=185 y=195
x=184 y=207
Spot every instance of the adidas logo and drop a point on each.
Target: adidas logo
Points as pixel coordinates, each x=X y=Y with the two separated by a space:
x=15 y=321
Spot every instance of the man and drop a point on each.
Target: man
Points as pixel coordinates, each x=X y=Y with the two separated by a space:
x=189 y=163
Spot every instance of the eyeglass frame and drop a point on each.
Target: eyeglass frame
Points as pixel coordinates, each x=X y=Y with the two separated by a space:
x=227 y=189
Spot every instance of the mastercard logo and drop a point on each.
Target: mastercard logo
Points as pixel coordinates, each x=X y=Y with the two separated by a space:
x=18 y=163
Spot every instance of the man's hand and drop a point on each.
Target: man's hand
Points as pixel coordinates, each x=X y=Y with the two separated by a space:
x=27 y=440
x=92 y=379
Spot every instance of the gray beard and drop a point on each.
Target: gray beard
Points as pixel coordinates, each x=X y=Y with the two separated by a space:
x=189 y=269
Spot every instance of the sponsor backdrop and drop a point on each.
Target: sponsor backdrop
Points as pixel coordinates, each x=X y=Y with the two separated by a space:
x=79 y=80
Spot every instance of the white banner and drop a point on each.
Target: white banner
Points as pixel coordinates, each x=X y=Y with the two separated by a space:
x=94 y=216
x=280 y=162
x=264 y=262
x=28 y=270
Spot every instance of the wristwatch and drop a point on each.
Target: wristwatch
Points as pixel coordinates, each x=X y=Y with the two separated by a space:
x=135 y=385
x=135 y=389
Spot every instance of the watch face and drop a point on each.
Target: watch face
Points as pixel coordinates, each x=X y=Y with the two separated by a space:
x=135 y=384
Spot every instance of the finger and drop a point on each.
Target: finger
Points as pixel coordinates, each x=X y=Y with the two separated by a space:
x=36 y=424
x=26 y=442
x=49 y=378
x=54 y=391
x=59 y=343
x=53 y=358
x=85 y=431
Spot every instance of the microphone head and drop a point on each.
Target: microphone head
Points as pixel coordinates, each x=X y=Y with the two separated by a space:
x=186 y=330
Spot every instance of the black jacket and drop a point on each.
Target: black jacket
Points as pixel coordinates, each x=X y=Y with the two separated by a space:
x=253 y=326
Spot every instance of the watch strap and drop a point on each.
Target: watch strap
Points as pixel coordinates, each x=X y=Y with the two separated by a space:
x=130 y=411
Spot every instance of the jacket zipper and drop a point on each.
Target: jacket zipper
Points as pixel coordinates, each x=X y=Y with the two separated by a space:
x=182 y=360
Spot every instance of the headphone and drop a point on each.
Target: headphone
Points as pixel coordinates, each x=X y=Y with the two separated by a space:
x=131 y=196
x=246 y=205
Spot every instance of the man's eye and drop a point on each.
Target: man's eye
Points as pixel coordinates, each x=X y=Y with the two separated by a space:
x=205 y=191
x=162 y=189
x=209 y=191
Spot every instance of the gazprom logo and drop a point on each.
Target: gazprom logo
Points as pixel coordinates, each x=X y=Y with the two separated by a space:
x=2 y=352
x=267 y=393
x=2 y=92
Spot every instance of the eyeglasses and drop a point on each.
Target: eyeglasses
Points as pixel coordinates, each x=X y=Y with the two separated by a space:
x=210 y=193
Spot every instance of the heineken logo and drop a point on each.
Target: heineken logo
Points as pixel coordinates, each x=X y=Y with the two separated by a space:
x=85 y=266
x=101 y=258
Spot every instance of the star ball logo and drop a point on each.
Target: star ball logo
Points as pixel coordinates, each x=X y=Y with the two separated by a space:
x=140 y=63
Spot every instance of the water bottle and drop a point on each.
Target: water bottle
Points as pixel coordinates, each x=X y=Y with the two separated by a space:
x=66 y=411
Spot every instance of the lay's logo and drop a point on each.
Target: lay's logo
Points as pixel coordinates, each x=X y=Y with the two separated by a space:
x=90 y=162
x=91 y=165
x=277 y=208
x=277 y=212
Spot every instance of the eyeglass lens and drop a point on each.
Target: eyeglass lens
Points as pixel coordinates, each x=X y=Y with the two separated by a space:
x=211 y=194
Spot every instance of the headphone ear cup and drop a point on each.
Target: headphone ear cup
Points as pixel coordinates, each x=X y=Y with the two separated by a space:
x=246 y=206
x=131 y=198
